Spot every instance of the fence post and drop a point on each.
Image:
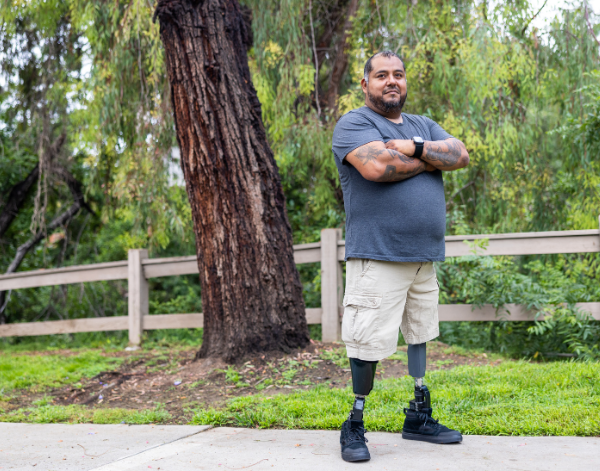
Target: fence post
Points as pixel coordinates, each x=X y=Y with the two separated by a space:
x=331 y=285
x=138 y=295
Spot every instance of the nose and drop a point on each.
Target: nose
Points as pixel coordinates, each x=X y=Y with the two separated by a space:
x=392 y=80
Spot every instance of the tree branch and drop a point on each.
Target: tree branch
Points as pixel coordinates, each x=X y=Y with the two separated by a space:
x=23 y=249
x=587 y=19
x=533 y=18
x=75 y=187
x=16 y=198
x=58 y=221
x=18 y=193
x=64 y=218
x=460 y=190
x=312 y=35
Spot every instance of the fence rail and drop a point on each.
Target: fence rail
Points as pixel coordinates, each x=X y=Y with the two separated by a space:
x=329 y=252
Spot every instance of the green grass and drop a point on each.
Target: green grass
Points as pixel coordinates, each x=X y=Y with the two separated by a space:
x=513 y=398
x=166 y=339
x=39 y=372
x=49 y=414
x=337 y=356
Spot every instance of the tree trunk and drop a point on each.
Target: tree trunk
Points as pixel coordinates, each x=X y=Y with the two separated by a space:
x=340 y=62
x=251 y=291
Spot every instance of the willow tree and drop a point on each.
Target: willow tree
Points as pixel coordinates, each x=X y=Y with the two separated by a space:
x=251 y=291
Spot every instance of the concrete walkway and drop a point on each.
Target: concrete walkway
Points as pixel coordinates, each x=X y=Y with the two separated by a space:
x=181 y=448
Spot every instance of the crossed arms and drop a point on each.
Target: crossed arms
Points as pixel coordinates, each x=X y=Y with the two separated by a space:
x=393 y=161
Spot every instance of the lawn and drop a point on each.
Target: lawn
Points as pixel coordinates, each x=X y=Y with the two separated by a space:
x=472 y=392
x=513 y=398
x=41 y=371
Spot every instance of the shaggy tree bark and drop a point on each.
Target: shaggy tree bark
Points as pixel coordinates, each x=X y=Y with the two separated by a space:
x=251 y=291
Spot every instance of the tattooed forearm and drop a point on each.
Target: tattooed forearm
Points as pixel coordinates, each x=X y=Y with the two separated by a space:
x=399 y=155
x=445 y=155
x=370 y=153
x=392 y=174
x=384 y=164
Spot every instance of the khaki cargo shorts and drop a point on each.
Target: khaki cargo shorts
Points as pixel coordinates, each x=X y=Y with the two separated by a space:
x=383 y=297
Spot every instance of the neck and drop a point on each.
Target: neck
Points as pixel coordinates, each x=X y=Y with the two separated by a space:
x=393 y=116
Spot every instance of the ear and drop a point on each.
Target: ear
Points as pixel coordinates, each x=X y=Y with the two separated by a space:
x=363 y=84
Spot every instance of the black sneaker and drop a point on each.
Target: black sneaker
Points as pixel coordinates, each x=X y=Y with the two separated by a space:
x=419 y=425
x=353 y=441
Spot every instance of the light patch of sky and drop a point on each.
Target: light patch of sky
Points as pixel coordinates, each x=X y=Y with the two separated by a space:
x=85 y=74
x=552 y=8
x=6 y=79
x=175 y=171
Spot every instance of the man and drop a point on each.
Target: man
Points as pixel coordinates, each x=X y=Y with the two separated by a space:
x=390 y=165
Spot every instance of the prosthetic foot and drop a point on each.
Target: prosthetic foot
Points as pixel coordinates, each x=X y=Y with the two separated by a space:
x=418 y=424
x=352 y=438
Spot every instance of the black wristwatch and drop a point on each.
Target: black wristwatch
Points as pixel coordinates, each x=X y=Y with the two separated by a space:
x=419 y=143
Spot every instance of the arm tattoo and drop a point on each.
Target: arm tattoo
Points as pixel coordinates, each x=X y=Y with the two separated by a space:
x=392 y=174
x=443 y=154
x=369 y=153
x=404 y=158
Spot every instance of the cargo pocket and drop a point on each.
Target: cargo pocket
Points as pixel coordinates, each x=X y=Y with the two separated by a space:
x=360 y=316
x=367 y=265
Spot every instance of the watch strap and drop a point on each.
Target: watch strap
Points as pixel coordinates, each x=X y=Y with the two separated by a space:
x=419 y=144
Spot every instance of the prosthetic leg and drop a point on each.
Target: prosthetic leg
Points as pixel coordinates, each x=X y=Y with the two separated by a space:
x=417 y=363
x=352 y=438
x=419 y=425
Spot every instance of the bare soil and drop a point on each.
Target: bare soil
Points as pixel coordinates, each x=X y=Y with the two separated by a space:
x=148 y=378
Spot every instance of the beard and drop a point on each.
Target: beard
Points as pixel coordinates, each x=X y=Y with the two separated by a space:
x=387 y=106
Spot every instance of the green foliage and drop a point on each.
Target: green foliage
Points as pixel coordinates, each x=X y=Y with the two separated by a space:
x=95 y=72
x=74 y=414
x=525 y=101
x=160 y=340
x=337 y=356
x=475 y=400
x=400 y=356
x=283 y=75
x=548 y=286
x=231 y=375
x=578 y=330
x=39 y=372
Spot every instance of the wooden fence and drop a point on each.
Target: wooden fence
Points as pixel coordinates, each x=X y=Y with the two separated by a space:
x=329 y=253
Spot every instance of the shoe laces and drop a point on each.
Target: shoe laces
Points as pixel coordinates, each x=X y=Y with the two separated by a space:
x=427 y=418
x=356 y=435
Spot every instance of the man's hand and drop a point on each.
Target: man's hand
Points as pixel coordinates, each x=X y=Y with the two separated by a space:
x=404 y=146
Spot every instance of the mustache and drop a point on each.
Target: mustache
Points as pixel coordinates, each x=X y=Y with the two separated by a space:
x=387 y=90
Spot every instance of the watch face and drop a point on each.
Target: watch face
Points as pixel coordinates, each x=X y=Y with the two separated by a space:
x=418 y=140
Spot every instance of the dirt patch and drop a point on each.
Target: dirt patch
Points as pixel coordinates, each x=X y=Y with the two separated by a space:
x=148 y=378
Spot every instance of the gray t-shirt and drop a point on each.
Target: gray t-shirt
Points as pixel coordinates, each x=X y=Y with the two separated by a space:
x=399 y=221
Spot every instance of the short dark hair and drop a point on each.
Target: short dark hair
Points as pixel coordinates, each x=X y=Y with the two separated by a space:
x=369 y=65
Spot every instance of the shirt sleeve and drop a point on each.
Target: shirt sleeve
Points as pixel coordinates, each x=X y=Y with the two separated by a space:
x=352 y=131
x=437 y=132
